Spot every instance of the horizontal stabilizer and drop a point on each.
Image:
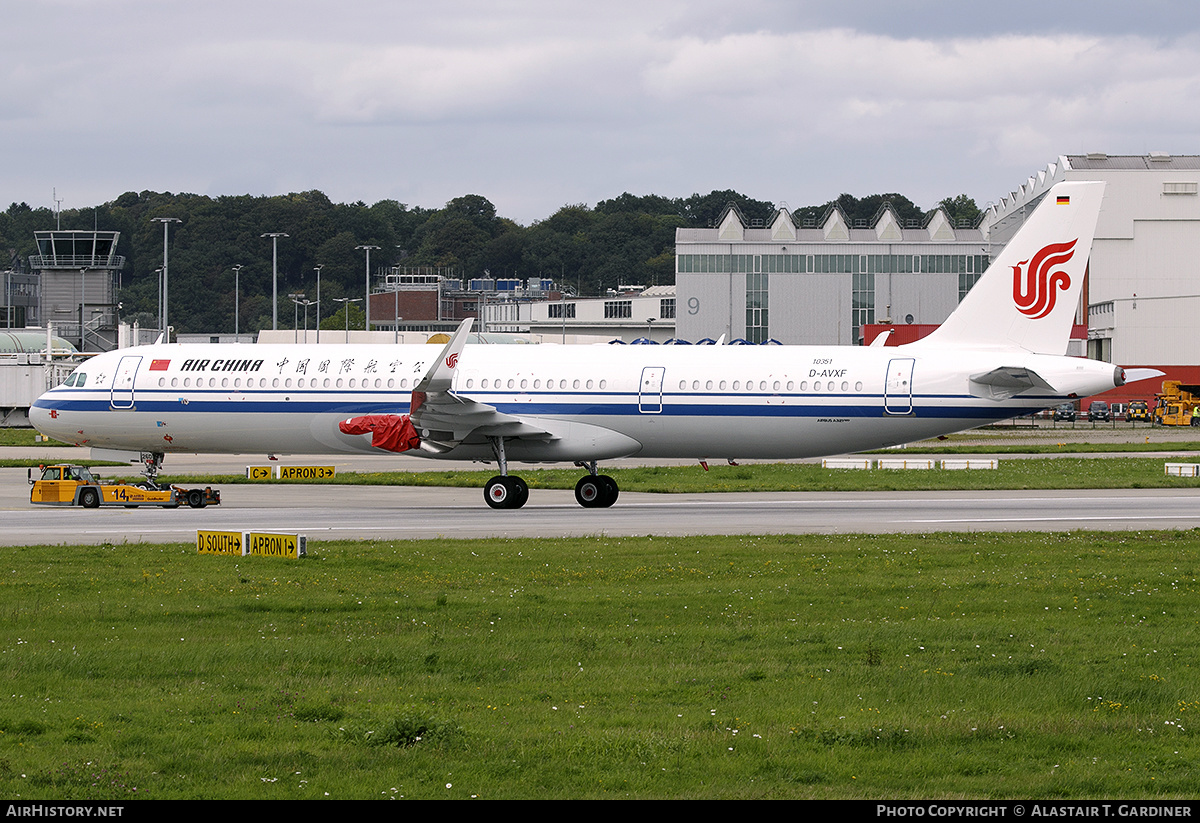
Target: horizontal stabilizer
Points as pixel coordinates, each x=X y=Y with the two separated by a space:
x=1006 y=382
x=1134 y=375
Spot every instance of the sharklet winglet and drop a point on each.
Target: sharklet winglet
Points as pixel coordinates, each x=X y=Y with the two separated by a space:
x=440 y=376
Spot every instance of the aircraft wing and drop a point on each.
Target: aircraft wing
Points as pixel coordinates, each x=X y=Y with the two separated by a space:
x=444 y=419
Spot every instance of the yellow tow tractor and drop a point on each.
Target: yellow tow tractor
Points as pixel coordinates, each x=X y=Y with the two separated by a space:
x=69 y=485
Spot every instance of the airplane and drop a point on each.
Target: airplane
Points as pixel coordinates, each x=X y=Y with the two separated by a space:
x=1000 y=354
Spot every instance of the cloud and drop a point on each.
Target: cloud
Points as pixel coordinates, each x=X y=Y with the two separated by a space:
x=540 y=104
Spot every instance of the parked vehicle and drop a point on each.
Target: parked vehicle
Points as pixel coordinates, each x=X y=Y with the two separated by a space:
x=1099 y=410
x=1138 y=410
x=1176 y=404
x=65 y=484
x=1065 y=411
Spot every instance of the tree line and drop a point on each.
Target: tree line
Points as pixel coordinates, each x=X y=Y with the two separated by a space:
x=629 y=239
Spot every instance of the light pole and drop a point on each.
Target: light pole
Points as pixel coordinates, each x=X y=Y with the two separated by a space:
x=367 y=305
x=237 y=274
x=163 y=293
x=296 y=297
x=306 y=304
x=318 y=320
x=274 y=235
x=346 y=301
x=82 y=303
x=159 y=272
x=649 y=323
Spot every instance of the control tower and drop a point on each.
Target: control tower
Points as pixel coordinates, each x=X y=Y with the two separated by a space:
x=79 y=272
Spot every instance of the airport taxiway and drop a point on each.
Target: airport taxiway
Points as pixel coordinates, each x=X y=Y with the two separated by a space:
x=334 y=512
x=331 y=512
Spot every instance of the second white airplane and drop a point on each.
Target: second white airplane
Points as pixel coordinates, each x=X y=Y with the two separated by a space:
x=999 y=355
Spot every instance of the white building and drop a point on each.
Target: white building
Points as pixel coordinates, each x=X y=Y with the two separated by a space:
x=627 y=317
x=820 y=283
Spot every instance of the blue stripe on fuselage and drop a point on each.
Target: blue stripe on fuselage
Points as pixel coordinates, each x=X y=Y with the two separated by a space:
x=607 y=404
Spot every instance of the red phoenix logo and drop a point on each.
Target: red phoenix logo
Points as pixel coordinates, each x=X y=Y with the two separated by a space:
x=452 y=360
x=1036 y=288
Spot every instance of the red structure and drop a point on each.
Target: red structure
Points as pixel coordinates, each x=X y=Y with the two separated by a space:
x=911 y=332
x=901 y=332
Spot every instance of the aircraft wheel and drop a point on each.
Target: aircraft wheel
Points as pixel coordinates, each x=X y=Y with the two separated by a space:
x=587 y=491
x=590 y=492
x=520 y=491
x=503 y=492
x=609 y=491
x=89 y=499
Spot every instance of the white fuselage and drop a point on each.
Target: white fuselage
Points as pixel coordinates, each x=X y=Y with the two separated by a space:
x=598 y=402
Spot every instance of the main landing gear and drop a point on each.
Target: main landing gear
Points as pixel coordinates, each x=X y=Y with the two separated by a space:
x=595 y=491
x=505 y=491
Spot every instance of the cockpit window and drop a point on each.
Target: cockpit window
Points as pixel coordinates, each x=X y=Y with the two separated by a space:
x=76 y=379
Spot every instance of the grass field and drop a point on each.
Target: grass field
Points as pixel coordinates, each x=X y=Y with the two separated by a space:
x=938 y=666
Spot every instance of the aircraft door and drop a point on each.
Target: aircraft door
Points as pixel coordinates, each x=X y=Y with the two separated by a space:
x=897 y=393
x=122 y=388
x=650 y=392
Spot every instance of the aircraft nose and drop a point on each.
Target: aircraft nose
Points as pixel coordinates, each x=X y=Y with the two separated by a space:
x=43 y=416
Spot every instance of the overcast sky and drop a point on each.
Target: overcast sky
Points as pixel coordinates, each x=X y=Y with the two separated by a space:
x=536 y=104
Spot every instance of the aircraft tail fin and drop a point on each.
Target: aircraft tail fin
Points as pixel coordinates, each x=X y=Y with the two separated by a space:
x=1029 y=294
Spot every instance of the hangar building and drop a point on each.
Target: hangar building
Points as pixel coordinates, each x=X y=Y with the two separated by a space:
x=821 y=283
